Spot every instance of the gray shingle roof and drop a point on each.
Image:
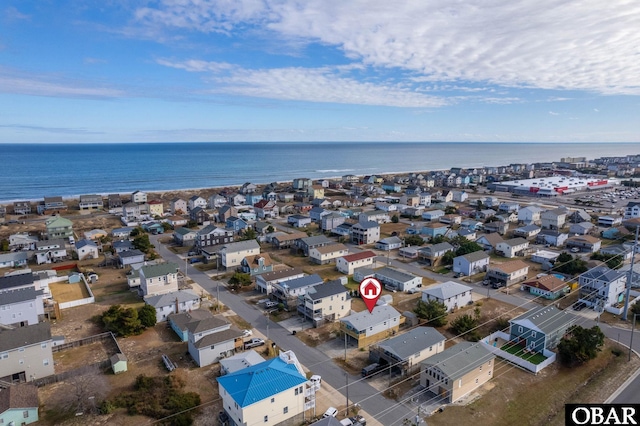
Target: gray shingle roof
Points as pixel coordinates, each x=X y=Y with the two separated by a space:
x=394 y=274
x=170 y=298
x=206 y=324
x=240 y=246
x=302 y=282
x=515 y=242
x=182 y=319
x=602 y=273
x=366 y=225
x=362 y=320
x=24 y=336
x=330 y=288
x=475 y=256
x=13 y=281
x=447 y=290
x=19 y=397
x=316 y=240
x=460 y=359
x=220 y=336
x=412 y=342
x=19 y=295
x=546 y=319
x=241 y=360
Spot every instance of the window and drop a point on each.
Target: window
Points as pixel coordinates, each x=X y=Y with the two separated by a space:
x=285 y=410
x=45 y=361
x=273 y=400
x=520 y=329
x=533 y=334
x=25 y=414
x=4 y=355
x=266 y=419
x=296 y=392
x=476 y=380
x=21 y=350
x=212 y=347
x=21 y=361
x=480 y=368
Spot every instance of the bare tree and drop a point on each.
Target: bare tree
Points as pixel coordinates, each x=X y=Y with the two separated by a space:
x=84 y=391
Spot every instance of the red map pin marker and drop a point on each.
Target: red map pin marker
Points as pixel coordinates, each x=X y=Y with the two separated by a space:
x=370 y=291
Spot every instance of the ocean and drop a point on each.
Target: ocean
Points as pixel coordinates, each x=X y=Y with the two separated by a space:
x=33 y=171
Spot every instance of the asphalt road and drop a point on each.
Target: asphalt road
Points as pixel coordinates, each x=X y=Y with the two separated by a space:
x=382 y=409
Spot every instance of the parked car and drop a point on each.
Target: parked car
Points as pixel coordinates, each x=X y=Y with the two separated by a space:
x=370 y=369
x=578 y=306
x=331 y=412
x=253 y=343
x=246 y=333
x=270 y=304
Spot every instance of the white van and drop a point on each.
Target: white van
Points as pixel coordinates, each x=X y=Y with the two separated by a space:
x=331 y=412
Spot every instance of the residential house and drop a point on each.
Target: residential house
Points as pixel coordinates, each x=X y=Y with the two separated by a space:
x=365 y=233
x=131 y=211
x=21 y=306
x=457 y=371
x=25 y=353
x=58 y=227
x=178 y=206
x=508 y=207
x=450 y=219
x=377 y=216
x=50 y=251
x=434 y=229
x=315 y=192
x=231 y=254
x=471 y=224
x=200 y=216
x=307 y=243
x=508 y=273
x=332 y=221
x=211 y=339
x=601 y=287
x=180 y=322
x=621 y=251
x=391 y=186
x=288 y=291
x=266 y=209
x=365 y=328
x=554 y=219
x=13 y=260
x=551 y=237
x=316 y=214
x=527 y=231
x=211 y=235
x=343 y=230
x=615 y=233
x=609 y=221
x=546 y=258
x=467 y=233
x=19 y=404
x=449 y=293
x=410 y=200
x=22 y=241
x=21 y=207
x=158 y=279
x=236 y=224
x=239 y=361
x=95 y=234
x=631 y=211
x=139 y=197
x=122 y=233
x=114 y=201
x=540 y=328
x=87 y=249
x=326 y=254
x=177 y=221
x=173 y=303
x=425 y=199
x=459 y=196
x=324 y=303
x=130 y=257
x=236 y=199
x=485 y=214
x=185 y=236
x=249 y=395
x=432 y=215
x=282 y=240
x=546 y=286
x=512 y=247
x=266 y=281
x=299 y=221
x=471 y=263
x=257 y=264
x=582 y=228
x=51 y=205
x=432 y=254
x=91 y=202
x=584 y=243
x=489 y=241
x=348 y=263
x=156 y=208
x=247 y=188
x=578 y=216
x=386 y=207
x=396 y=280
x=496 y=226
x=406 y=351
x=390 y=243
x=530 y=215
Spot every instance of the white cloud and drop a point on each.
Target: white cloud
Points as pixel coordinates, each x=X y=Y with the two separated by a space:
x=544 y=44
x=24 y=84
x=596 y=110
x=553 y=113
x=13 y=14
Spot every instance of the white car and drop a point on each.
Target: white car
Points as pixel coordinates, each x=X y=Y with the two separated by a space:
x=331 y=412
x=246 y=333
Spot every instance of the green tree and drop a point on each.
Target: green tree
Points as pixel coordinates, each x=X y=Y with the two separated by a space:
x=580 y=345
x=613 y=261
x=413 y=240
x=270 y=229
x=4 y=245
x=635 y=308
x=122 y=321
x=567 y=264
x=192 y=224
x=248 y=234
x=465 y=325
x=136 y=231
x=395 y=218
x=447 y=259
x=239 y=279
x=147 y=315
x=450 y=210
x=166 y=226
x=433 y=311
x=479 y=205
x=438 y=239
x=142 y=243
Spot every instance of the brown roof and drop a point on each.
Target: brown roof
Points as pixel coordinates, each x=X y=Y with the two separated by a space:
x=493 y=239
x=331 y=248
x=289 y=237
x=253 y=260
x=19 y=396
x=359 y=256
x=509 y=267
x=547 y=282
x=587 y=238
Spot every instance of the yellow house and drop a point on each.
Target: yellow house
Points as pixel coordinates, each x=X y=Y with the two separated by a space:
x=316 y=191
x=156 y=208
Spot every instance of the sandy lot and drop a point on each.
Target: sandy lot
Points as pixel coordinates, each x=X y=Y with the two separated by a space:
x=66 y=292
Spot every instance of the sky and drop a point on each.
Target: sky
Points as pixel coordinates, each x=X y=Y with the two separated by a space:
x=319 y=70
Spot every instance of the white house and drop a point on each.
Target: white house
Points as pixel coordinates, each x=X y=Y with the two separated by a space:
x=601 y=287
x=471 y=263
x=554 y=219
x=87 y=249
x=530 y=215
x=173 y=303
x=394 y=279
x=325 y=254
x=347 y=264
x=211 y=339
x=390 y=243
x=513 y=247
x=50 y=251
x=21 y=306
x=25 y=352
x=449 y=293
x=231 y=254
x=196 y=201
x=158 y=279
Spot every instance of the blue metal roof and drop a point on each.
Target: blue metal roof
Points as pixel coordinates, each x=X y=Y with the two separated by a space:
x=261 y=381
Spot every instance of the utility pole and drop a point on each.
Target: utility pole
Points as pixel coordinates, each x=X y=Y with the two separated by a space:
x=631 y=340
x=347 y=376
x=630 y=278
x=345 y=347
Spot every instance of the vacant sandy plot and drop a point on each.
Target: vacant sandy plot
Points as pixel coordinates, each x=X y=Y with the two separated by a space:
x=66 y=292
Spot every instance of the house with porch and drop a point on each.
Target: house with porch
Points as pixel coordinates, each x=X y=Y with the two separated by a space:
x=450 y=293
x=178 y=206
x=51 y=205
x=326 y=254
x=282 y=240
x=434 y=229
x=231 y=254
x=489 y=242
x=457 y=371
x=584 y=243
x=211 y=339
x=130 y=257
x=266 y=281
x=307 y=243
x=21 y=306
x=13 y=260
x=211 y=235
x=540 y=328
x=180 y=322
x=551 y=237
x=90 y=202
x=432 y=254
x=471 y=263
x=377 y=216
x=50 y=251
x=185 y=236
x=406 y=351
x=299 y=221
x=582 y=228
x=497 y=227
x=512 y=247
x=58 y=227
x=554 y=218
x=287 y=292
x=602 y=287
x=173 y=303
x=266 y=209
x=390 y=243
x=527 y=231
x=364 y=328
x=396 y=280
x=530 y=215
x=508 y=273
x=348 y=263
x=325 y=302
x=22 y=241
x=87 y=249
x=332 y=221
x=365 y=233
x=257 y=264
x=432 y=215
x=139 y=197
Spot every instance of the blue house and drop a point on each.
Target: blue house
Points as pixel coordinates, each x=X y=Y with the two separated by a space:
x=251 y=199
x=540 y=328
x=391 y=187
x=236 y=224
x=19 y=405
x=434 y=229
x=432 y=215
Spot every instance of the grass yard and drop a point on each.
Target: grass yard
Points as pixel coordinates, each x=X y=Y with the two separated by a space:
x=66 y=292
x=513 y=349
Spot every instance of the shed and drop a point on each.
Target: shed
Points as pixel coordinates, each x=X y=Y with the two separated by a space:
x=118 y=363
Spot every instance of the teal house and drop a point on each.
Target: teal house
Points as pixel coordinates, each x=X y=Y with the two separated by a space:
x=19 y=405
